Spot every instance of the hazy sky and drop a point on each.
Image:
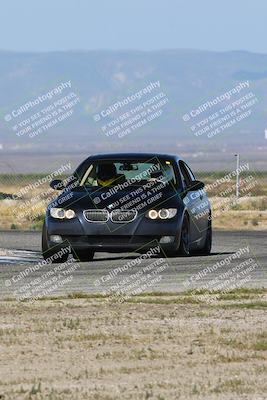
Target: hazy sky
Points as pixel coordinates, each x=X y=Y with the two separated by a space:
x=133 y=24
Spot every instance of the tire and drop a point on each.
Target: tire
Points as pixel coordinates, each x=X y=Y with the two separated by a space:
x=49 y=252
x=205 y=251
x=184 y=247
x=84 y=255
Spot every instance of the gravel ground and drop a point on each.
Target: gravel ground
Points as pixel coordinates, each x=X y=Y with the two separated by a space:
x=151 y=347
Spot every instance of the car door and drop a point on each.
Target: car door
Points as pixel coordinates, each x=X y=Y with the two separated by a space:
x=196 y=202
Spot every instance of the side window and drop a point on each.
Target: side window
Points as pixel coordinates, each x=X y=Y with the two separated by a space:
x=190 y=173
x=185 y=174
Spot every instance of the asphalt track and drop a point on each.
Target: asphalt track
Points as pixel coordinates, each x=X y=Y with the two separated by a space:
x=226 y=266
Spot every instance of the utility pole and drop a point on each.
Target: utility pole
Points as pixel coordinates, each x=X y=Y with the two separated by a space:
x=237 y=173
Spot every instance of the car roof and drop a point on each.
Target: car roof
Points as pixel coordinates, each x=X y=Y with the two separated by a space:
x=132 y=156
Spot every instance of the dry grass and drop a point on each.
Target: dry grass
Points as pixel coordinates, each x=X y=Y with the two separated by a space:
x=249 y=213
x=30 y=205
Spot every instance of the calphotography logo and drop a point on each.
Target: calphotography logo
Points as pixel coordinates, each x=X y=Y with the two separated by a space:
x=133 y=112
x=223 y=112
x=43 y=112
x=134 y=276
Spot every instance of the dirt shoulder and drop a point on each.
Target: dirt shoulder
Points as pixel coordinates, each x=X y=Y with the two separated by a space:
x=151 y=347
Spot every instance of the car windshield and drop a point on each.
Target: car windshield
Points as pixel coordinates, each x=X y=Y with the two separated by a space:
x=106 y=173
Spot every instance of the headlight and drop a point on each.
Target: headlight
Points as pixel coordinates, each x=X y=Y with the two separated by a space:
x=69 y=214
x=60 y=213
x=163 y=213
x=152 y=214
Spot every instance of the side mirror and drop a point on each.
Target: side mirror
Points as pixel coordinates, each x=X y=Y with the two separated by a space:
x=196 y=185
x=57 y=184
x=72 y=181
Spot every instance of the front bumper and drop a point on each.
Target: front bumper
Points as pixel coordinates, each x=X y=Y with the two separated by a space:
x=118 y=243
x=138 y=235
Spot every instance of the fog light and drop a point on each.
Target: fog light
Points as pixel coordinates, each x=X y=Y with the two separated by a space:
x=167 y=239
x=56 y=238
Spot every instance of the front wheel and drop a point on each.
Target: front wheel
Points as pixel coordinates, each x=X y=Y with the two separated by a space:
x=184 y=248
x=53 y=254
x=205 y=251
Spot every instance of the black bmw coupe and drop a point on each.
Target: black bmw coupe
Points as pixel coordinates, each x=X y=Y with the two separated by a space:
x=123 y=202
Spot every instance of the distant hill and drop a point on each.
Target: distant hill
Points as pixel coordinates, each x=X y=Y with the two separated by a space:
x=100 y=78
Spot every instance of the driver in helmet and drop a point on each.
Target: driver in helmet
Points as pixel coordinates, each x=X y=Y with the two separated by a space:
x=106 y=174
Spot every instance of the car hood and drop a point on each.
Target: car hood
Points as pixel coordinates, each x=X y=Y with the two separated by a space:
x=106 y=198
